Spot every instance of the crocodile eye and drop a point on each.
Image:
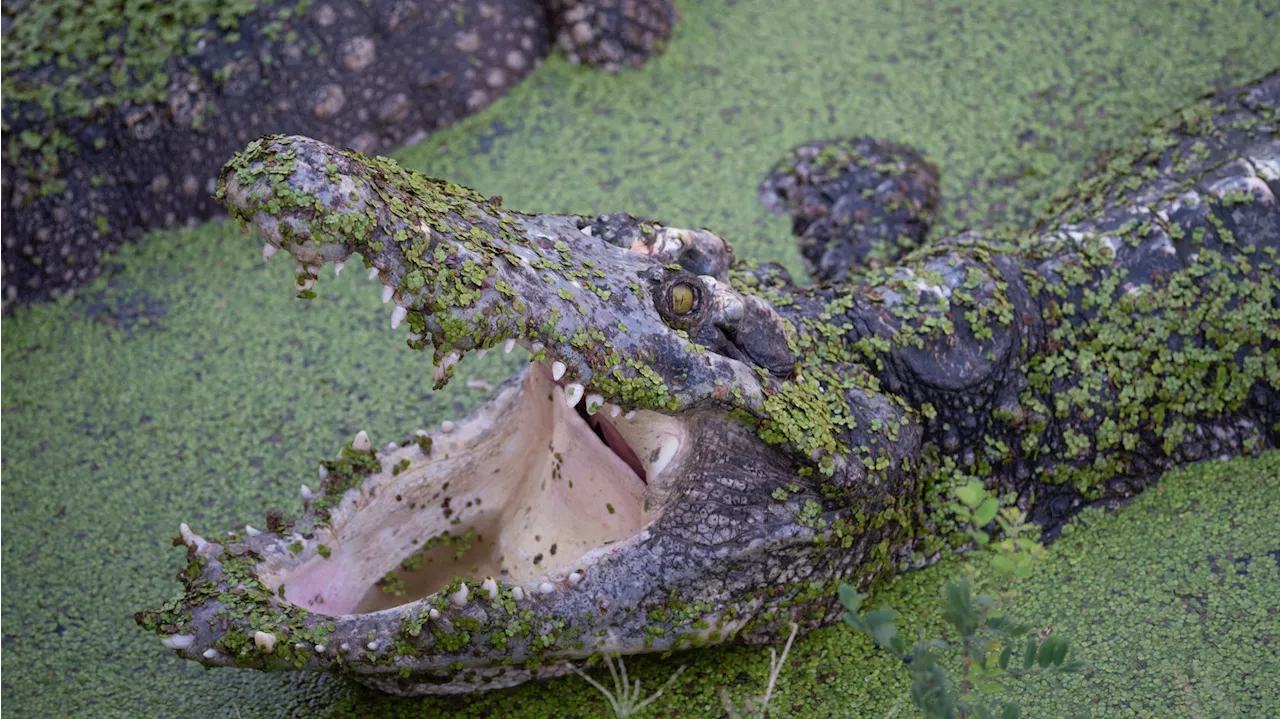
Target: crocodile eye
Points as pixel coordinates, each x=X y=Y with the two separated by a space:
x=682 y=299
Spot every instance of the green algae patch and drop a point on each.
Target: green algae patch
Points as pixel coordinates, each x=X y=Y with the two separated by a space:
x=81 y=61
x=188 y=384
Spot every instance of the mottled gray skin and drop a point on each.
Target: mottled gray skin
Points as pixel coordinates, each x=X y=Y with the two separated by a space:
x=847 y=211
x=751 y=537
x=386 y=74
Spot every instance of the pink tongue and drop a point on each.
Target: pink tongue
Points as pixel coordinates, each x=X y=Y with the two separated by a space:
x=614 y=441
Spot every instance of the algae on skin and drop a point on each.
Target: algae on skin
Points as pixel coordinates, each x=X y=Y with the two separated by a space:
x=244 y=386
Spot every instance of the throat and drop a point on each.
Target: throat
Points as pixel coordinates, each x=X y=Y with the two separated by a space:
x=605 y=431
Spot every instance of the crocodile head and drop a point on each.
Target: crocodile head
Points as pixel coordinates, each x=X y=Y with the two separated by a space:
x=617 y=495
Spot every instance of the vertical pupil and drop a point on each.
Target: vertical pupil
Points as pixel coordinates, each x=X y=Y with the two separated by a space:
x=681 y=299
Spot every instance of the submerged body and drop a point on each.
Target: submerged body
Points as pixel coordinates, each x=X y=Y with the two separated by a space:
x=700 y=451
x=126 y=111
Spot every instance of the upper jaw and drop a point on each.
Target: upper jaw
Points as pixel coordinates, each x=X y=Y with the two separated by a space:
x=466 y=274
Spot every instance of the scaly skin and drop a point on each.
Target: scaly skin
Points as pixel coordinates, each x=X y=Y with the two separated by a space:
x=1136 y=328
x=109 y=154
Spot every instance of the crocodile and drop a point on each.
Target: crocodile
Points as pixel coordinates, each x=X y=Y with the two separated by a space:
x=700 y=449
x=118 y=116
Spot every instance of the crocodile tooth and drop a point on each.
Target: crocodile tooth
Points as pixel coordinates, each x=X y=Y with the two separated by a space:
x=447 y=426
x=268 y=251
x=490 y=586
x=398 y=315
x=307 y=494
x=323 y=473
x=191 y=539
x=594 y=403
x=557 y=370
x=373 y=273
x=361 y=443
x=337 y=267
x=372 y=646
x=209 y=653
x=390 y=447
x=252 y=532
x=178 y=641
x=572 y=393
x=614 y=410
x=546 y=587
x=266 y=641
x=480 y=353
x=434 y=613
x=438 y=372
x=320 y=648
x=517 y=594
x=387 y=292
x=575 y=577
x=509 y=345
x=459 y=598
x=630 y=415
x=414 y=336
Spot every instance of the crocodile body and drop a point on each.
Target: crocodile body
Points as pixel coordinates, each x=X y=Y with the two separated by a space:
x=772 y=440
x=108 y=141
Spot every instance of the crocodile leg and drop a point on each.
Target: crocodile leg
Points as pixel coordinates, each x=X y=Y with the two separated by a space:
x=853 y=203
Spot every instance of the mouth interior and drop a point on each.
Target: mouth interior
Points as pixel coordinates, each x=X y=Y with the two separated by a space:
x=613 y=439
x=522 y=490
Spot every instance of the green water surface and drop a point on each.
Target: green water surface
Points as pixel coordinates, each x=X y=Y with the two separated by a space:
x=187 y=384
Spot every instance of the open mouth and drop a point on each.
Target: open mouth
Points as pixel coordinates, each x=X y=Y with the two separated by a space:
x=528 y=490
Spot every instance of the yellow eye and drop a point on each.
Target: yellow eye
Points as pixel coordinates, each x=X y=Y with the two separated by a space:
x=681 y=299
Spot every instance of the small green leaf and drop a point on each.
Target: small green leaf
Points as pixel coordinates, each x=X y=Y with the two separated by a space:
x=1002 y=564
x=971 y=494
x=850 y=598
x=986 y=512
x=1052 y=651
x=884 y=633
x=898 y=645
